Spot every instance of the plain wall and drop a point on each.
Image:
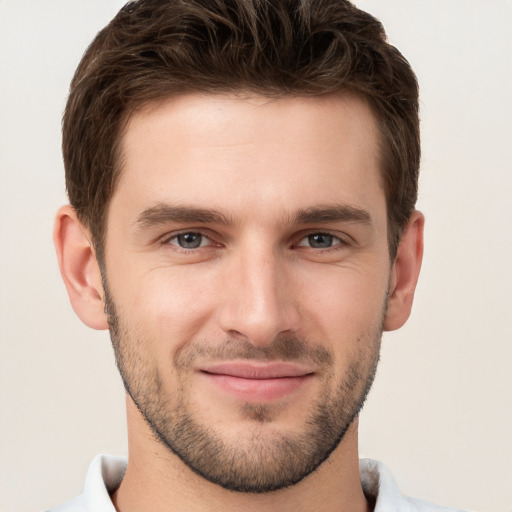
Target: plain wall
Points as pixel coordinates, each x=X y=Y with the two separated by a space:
x=440 y=412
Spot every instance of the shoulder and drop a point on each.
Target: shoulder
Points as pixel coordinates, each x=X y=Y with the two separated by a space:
x=379 y=485
x=416 y=505
x=76 y=505
x=103 y=478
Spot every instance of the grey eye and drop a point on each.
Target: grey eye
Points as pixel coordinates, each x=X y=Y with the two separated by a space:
x=320 y=240
x=189 y=240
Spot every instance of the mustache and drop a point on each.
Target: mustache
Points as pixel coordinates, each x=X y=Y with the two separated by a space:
x=289 y=349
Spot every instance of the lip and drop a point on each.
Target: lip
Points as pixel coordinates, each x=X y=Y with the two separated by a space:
x=257 y=382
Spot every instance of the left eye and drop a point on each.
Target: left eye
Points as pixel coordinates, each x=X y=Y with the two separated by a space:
x=189 y=240
x=319 y=241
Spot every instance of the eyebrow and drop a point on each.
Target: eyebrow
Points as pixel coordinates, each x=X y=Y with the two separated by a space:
x=337 y=213
x=165 y=213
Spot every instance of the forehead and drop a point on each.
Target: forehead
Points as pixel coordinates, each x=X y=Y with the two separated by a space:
x=227 y=151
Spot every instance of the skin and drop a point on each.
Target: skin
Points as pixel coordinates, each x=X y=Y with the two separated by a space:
x=256 y=277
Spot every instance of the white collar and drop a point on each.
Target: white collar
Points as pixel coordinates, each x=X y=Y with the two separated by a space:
x=106 y=472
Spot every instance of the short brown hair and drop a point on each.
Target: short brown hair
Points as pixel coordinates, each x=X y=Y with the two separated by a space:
x=153 y=49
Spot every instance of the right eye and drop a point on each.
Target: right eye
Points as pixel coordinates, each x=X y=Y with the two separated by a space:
x=189 y=240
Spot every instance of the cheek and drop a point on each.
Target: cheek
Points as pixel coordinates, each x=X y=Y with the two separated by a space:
x=168 y=302
x=344 y=304
x=347 y=315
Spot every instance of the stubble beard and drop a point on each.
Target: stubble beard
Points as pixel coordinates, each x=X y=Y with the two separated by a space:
x=258 y=463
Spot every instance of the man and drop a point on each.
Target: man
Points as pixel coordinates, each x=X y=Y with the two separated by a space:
x=242 y=178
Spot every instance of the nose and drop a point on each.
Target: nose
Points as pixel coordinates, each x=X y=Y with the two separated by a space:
x=259 y=302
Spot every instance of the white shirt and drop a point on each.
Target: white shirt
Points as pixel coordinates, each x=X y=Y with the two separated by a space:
x=106 y=472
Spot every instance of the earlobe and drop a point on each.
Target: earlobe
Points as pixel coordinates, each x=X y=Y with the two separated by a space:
x=79 y=268
x=405 y=272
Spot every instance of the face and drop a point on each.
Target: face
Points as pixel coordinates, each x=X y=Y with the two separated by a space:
x=246 y=278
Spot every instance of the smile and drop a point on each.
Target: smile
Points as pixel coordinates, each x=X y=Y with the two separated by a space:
x=257 y=383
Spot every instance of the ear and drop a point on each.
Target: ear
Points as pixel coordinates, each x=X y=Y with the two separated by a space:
x=79 y=268
x=405 y=272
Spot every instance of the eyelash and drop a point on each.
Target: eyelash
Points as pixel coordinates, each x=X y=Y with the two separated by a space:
x=339 y=243
x=168 y=241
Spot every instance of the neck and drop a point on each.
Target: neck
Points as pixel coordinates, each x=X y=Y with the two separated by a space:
x=159 y=481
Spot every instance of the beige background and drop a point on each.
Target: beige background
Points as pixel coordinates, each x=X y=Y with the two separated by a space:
x=440 y=412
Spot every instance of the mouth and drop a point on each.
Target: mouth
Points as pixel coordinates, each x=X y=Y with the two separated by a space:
x=264 y=382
